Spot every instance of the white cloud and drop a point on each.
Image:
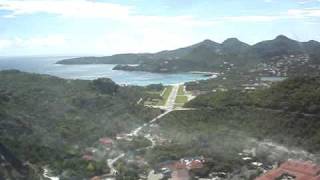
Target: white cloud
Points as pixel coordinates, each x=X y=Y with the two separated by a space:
x=147 y=39
x=306 y=1
x=127 y=14
x=35 y=42
x=298 y=1
x=147 y=33
x=268 y=1
x=254 y=18
x=93 y=9
x=304 y=13
x=68 y=8
x=4 y=43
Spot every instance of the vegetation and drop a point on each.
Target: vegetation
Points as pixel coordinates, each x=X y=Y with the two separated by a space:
x=181 y=99
x=286 y=110
x=115 y=59
x=181 y=90
x=200 y=134
x=156 y=97
x=226 y=122
x=166 y=95
x=155 y=87
x=232 y=53
x=299 y=94
x=48 y=120
x=136 y=143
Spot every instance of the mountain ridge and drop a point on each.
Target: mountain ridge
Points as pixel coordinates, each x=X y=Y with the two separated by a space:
x=208 y=55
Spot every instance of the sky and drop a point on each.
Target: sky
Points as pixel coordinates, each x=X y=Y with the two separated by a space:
x=105 y=27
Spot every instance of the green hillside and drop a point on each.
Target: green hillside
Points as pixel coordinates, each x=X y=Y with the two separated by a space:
x=48 y=120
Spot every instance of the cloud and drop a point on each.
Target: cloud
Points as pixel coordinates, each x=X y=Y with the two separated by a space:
x=306 y=1
x=39 y=42
x=147 y=39
x=67 y=8
x=298 y=1
x=4 y=43
x=304 y=13
x=127 y=14
x=254 y=18
x=92 y=9
x=136 y=32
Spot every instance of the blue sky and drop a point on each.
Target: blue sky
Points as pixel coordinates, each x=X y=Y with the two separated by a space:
x=104 y=27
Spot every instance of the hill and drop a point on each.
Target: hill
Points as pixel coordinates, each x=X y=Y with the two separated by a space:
x=204 y=56
x=291 y=55
x=293 y=107
x=224 y=125
x=46 y=120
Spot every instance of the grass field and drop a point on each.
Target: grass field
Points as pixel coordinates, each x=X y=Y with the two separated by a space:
x=165 y=96
x=181 y=99
x=157 y=101
x=181 y=90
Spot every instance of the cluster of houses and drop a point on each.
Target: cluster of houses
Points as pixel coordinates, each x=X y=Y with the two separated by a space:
x=282 y=65
x=293 y=169
x=179 y=170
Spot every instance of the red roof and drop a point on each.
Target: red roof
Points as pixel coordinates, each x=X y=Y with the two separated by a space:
x=180 y=165
x=87 y=157
x=306 y=168
x=195 y=164
x=105 y=141
x=299 y=169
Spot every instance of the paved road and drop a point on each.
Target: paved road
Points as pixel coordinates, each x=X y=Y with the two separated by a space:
x=172 y=97
x=111 y=162
x=135 y=132
x=169 y=105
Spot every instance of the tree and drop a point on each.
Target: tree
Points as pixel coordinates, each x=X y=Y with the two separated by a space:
x=105 y=86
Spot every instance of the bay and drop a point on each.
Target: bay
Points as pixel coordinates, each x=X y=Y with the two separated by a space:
x=46 y=65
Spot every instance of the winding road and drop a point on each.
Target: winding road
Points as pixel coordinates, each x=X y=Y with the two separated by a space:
x=169 y=107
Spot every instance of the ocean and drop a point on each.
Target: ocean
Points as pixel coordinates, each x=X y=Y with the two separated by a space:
x=46 y=65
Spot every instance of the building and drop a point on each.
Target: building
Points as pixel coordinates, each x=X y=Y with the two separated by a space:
x=106 y=141
x=180 y=174
x=298 y=170
x=87 y=157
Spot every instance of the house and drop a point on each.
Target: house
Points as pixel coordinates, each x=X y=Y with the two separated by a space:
x=195 y=164
x=180 y=174
x=87 y=157
x=180 y=169
x=180 y=165
x=298 y=170
x=106 y=141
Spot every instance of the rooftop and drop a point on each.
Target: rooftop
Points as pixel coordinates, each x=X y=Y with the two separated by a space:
x=299 y=170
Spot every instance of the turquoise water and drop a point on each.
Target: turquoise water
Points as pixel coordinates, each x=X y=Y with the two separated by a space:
x=46 y=65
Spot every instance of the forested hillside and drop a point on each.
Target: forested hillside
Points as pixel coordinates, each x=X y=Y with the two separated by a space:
x=48 y=120
x=226 y=122
x=289 y=109
x=281 y=56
